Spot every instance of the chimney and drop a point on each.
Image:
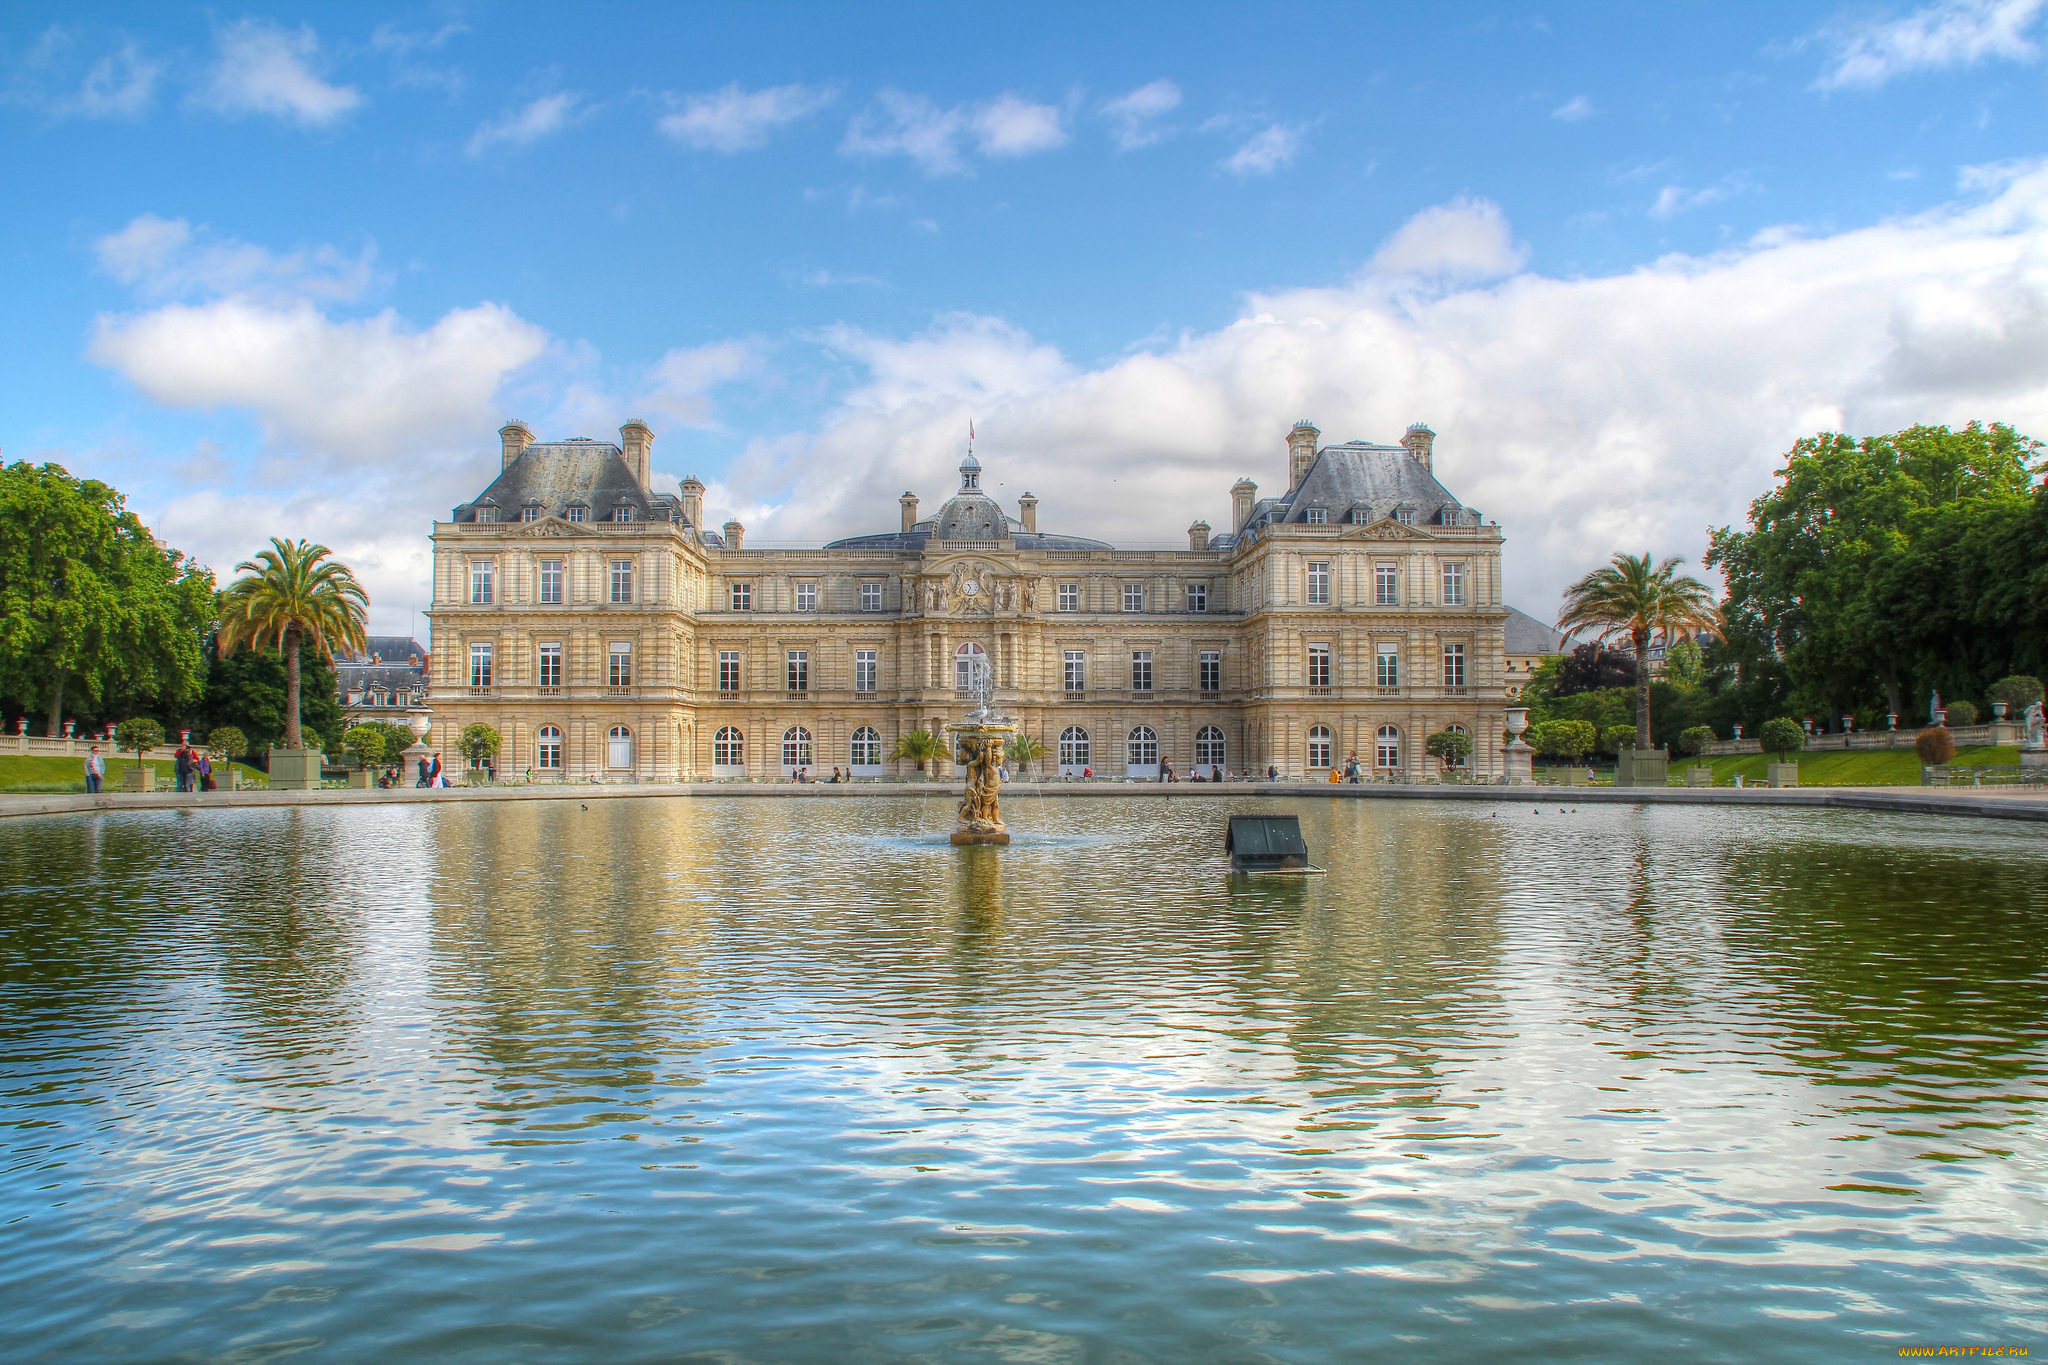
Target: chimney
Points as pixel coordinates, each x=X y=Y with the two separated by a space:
x=909 y=501
x=734 y=533
x=517 y=438
x=1198 y=536
x=1421 y=443
x=1301 y=452
x=693 y=502
x=1243 y=495
x=638 y=444
x=1027 y=511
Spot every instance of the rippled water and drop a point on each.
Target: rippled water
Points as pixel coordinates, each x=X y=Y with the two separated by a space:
x=756 y=1080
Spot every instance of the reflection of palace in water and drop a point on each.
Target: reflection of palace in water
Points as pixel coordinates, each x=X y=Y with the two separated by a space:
x=606 y=632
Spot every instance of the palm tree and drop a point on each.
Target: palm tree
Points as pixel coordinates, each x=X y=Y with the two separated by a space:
x=920 y=746
x=1634 y=596
x=1024 y=751
x=290 y=594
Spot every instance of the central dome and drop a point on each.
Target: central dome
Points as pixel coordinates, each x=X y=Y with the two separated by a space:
x=970 y=516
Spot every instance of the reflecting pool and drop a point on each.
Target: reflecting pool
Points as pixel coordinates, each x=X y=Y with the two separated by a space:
x=790 y=1080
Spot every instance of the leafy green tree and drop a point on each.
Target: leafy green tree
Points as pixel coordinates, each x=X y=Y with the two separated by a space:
x=397 y=738
x=479 y=744
x=2018 y=692
x=1891 y=563
x=1449 y=747
x=1593 y=668
x=1961 y=712
x=140 y=734
x=1615 y=738
x=364 y=743
x=89 y=599
x=1023 y=751
x=1685 y=664
x=1781 y=736
x=1634 y=596
x=919 y=746
x=1570 y=740
x=1694 y=741
x=246 y=689
x=227 y=741
x=291 y=594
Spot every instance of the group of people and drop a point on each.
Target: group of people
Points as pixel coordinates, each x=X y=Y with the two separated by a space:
x=431 y=774
x=192 y=770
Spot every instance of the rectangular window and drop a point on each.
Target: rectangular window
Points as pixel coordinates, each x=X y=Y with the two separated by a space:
x=1318 y=516
x=483 y=581
x=1141 y=670
x=743 y=597
x=1388 y=672
x=479 y=665
x=529 y=514
x=551 y=582
x=578 y=513
x=1134 y=597
x=871 y=597
x=1319 y=667
x=1454 y=665
x=798 y=672
x=1198 y=597
x=1319 y=583
x=1077 y=671
x=1386 y=585
x=1212 y=670
x=620 y=673
x=728 y=670
x=622 y=580
x=549 y=674
x=1070 y=597
x=864 y=670
x=1454 y=585
x=807 y=597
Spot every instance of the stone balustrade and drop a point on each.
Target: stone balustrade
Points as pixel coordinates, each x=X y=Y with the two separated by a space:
x=1966 y=737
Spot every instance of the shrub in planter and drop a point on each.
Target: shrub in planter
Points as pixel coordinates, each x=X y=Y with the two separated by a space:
x=1569 y=740
x=1962 y=712
x=1935 y=745
x=2017 y=692
x=1615 y=738
x=1781 y=737
x=1693 y=741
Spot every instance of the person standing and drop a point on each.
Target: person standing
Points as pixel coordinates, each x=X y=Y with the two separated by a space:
x=434 y=773
x=426 y=777
x=204 y=766
x=95 y=771
x=183 y=762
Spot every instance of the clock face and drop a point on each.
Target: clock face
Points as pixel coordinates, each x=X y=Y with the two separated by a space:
x=971 y=587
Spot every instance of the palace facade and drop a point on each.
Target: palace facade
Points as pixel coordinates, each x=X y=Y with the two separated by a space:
x=606 y=633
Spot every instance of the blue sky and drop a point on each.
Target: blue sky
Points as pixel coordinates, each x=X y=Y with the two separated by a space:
x=284 y=270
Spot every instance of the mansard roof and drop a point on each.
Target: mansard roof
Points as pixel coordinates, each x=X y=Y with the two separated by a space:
x=554 y=475
x=1360 y=482
x=1527 y=635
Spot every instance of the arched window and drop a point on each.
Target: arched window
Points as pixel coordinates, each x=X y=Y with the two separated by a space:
x=547 y=748
x=968 y=660
x=1143 y=748
x=1319 y=746
x=1074 y=747
x=619 y=747
x=1387 y=748
x=728 y=748
x=796 y=748
x=866 y=749
x=1209 y=746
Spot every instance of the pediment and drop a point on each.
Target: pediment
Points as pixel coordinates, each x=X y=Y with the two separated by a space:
x=1386 y=528
x=545 y=528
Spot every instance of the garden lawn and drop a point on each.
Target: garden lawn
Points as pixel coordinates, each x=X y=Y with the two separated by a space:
x=59 y=773
x=1854 y=768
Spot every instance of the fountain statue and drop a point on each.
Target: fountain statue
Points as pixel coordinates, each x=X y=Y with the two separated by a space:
x=978 y=743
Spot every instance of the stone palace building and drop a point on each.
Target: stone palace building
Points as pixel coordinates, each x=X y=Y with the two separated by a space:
x=607 y=633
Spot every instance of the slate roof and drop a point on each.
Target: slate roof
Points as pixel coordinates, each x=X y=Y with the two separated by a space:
x=390 y=649
x=392 y=677
x=1527 y=635
x=553 y=475
x=1360 y=482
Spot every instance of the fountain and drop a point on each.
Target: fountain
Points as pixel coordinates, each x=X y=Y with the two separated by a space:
x=978 y=743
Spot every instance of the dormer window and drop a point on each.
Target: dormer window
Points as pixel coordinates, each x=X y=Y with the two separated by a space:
x=486 y=514
x=529 y=514
x=578 y=513
x=623 y=512
x=1318 y=516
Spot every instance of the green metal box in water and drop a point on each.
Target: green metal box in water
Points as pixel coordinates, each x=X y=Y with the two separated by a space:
x=1267 y=843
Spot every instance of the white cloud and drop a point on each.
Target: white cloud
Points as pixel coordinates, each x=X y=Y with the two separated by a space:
x=1673 y=200
x=264 y=68
x=1266 y=151
x=1135 y=118
x=1946 y=34
x=737 y=120
x=940 y=140
x=121 y=84
x=1572 y=110
x=1466 y=239
x=165 y=258
x=681 y=382
x=1587 y=415
x=368 y=390
x=527 y=124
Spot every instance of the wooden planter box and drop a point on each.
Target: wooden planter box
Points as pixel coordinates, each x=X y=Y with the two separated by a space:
x=1699 y=777
x=1567 y=777
x=1782 y=774
x=138 y=778
x=295 y=770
